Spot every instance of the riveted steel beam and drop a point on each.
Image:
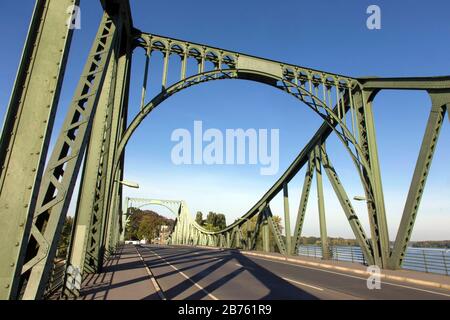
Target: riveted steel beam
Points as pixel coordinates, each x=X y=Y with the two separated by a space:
x=303 y=202
x=287 y=219
x=265 y=234
x=62 y=169
x=321 y=205
x=87 y=217
x=440 y=104
x=358 y=231
x=26 y=132
x=362 y=101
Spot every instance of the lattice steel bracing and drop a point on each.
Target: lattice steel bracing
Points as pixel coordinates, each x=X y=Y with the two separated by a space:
x=96 y=121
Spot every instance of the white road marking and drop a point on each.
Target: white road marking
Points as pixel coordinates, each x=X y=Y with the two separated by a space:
x=350 y=276
x=185 y=276
x=302 y=284
x=152 y=278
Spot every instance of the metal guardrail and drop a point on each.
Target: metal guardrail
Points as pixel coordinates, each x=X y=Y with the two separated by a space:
x=427 y=260
x=417 y=259
x=56 y=280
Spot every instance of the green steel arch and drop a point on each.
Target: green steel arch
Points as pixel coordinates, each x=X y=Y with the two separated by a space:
x=95 y=133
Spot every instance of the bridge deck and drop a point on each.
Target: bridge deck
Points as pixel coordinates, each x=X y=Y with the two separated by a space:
x=123 y=278
x=199 y=273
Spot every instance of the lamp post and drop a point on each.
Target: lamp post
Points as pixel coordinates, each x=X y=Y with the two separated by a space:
x=125 y=216
x=130 y=184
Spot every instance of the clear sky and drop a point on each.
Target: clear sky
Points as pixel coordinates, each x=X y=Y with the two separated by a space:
x=326 y=35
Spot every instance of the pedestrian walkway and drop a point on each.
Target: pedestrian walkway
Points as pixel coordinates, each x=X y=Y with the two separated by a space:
x=123 y=278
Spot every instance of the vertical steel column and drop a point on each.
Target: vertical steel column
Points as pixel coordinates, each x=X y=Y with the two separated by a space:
x=376 y=177
x=287 y=219
x=119 y=123
x=265 y=234
x=62 y=169
x=374 y=193
x=303 y=203
x=144 y=84
x=321 y=206
x=440 y=104
x=26 y=132
x=110 y=216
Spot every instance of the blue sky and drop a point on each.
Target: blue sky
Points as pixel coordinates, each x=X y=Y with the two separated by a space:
x=326 y=35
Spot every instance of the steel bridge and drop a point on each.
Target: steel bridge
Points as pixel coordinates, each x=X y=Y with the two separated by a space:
x=36 y=184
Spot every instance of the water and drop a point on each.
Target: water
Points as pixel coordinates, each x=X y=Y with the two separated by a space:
x=418 y=259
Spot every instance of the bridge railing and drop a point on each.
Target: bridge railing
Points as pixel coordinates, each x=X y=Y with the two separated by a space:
x=417 y=259
x=56 y=280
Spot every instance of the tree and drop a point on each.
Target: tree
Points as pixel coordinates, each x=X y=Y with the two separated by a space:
x=199 y=218
x=215 y=221
x=65 y=237
x=145 y=224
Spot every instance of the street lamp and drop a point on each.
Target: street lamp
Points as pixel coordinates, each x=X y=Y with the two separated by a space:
x=130 y=184
x=361 y=198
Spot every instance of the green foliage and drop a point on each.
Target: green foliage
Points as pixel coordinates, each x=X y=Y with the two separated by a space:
x=145 y=224
x=249 y=227
x=199 y=218
x=64 y=240
x=215 y=221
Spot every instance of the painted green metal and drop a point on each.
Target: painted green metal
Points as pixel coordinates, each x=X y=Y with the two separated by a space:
x=440 y=105
x=276 y=233
x=88 y=216
x=353 y=220
x=303 y=202
x=100 y=223
x=26 y=132
x=378 y=196
x=61 y=172
x=265 y=235
x=321 y=205
x=287 y=219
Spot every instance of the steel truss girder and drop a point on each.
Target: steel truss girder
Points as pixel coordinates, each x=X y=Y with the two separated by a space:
x=275 y=231
x=26 y=132
x=88 y=219
x=440 y=105
x=372 y=179
x=346 y=205
x=321 y=204
x=60 y=175
x=113 y=190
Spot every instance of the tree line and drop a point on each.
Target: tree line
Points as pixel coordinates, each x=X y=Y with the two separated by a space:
x=145 y=224
x=213 y=222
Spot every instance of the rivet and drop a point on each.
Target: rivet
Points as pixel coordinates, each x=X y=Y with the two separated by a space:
x=12 y=264
x=21 y=225
x=7 y=286
x=25 y=205
x=17 y=244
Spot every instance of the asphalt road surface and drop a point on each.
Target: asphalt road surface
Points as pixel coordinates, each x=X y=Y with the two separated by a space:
x=195 y=273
